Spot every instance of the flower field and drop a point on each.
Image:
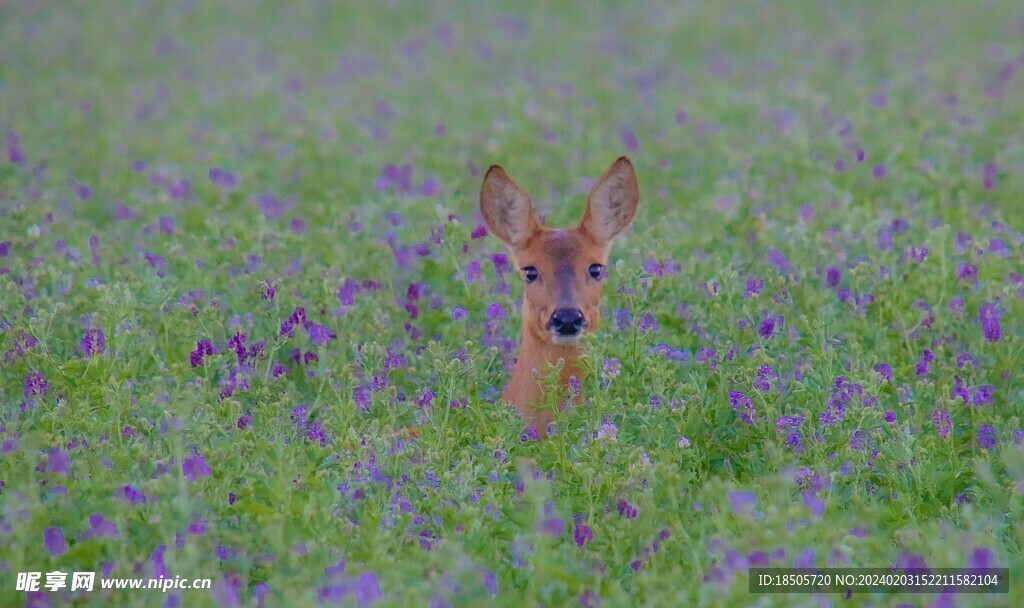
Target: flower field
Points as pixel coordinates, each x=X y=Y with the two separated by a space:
x=253 y=328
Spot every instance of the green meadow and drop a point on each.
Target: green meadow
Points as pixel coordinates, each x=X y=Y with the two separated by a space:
x=254 y=330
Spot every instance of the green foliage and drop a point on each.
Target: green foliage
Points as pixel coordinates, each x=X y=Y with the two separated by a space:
x=815 y=178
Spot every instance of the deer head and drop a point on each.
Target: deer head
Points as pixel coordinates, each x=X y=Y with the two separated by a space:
x=563 y=269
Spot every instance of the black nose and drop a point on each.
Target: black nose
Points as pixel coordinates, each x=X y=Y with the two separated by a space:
x=567 y=321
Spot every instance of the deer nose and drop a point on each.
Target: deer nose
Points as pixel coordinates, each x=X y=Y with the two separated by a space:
x=567 y=321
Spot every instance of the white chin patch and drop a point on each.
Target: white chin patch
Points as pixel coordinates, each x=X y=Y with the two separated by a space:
x=564 y=340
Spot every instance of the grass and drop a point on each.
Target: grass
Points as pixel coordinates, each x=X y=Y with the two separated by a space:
x=829 y=244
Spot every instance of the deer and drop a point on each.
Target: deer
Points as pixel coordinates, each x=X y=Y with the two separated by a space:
x=563 y=269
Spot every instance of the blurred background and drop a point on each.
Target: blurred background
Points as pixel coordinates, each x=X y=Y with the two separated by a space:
x=712 y=99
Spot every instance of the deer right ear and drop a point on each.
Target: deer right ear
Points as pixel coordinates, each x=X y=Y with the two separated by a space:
x=612 y=202
x=506 y=208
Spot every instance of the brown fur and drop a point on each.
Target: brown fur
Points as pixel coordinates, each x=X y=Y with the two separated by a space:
x=562 y=258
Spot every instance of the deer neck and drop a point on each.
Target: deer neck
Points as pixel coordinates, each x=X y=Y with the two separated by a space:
x=534 y=353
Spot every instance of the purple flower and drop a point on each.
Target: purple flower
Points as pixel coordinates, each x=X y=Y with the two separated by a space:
x=459 y=313
x=907 y=559
x=122 y=212
x=998 y=248
x=425 y=399
x=612 y=368
x=989 y=172
x=963 y=359
x=491 y=582
x=742 y=502
x=203 y=347
x=347 y=292
x=767 y=327
x=319 y=334
x=744 y=408
x=623 y=318
x=966 y=272
x=795 y=442
x=361 y=397
x=35 y=384
x=627 y=510
x=765 y=374
x=918 y=253
x=753 y=287
x=885 y=234
x=394 y=360
x=981 y=557
x=982 y=395
x=365 y=589
x=805 y=559
x=474 y=272
x=54 y=542
x=552 y=527
x=166 y=224
x=298 y=317
x=131 y=494
x=22 y=342
x=884 y=370
x=890 y=416
x=942 y=421
x=788 y=423
x=832 y=277
x=93 y=343
x=927 y=357
x=12 y=147
x=223 y=178
x=843 y=393
x=395 y=177
x=779 y=261
x=815 y=504
x=989 y=314
x=237 y=344
x=959 y=390
x=987 y=437
x=195 y=467
x=101 y=528
x=501 y=264
x=857 y=442
x=629 y=139
x=495 y=312
x=648 y=323
x=58 y=461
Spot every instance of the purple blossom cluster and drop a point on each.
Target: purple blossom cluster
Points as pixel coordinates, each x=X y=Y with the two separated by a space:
x=844 y=394
x=744 y=408
x=93 y=342
x=765 y=288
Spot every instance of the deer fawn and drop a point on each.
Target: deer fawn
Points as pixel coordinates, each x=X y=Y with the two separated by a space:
x=564 y=270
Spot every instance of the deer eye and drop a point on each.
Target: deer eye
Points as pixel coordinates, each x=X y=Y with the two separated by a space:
x=596 y=271
x=531 y=274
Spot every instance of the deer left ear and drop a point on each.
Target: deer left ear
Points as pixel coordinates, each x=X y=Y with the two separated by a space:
x=506 y=208
x=612 y=202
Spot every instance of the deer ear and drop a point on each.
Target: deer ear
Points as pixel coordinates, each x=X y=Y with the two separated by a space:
x=612 y=202
x=506 y=208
